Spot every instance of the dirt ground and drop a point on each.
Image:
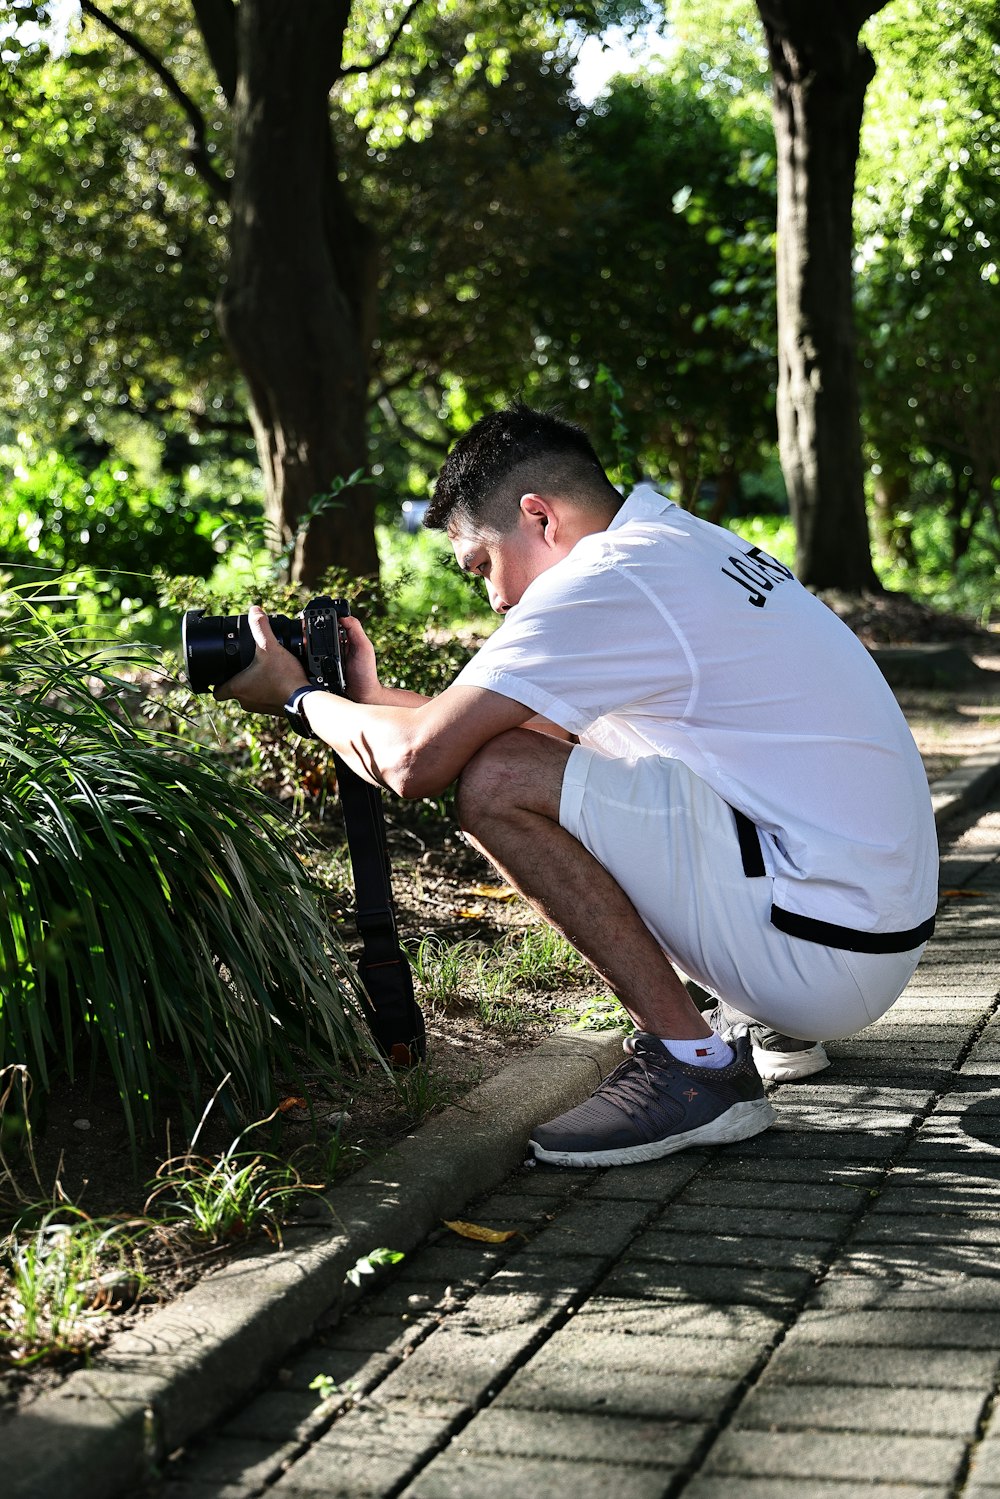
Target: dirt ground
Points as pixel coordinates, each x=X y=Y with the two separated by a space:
x=443 y=890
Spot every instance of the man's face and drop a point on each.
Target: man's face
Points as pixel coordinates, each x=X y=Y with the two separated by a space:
x=508 y=563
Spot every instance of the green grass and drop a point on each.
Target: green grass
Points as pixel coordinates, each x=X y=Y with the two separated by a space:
x=58 y=1269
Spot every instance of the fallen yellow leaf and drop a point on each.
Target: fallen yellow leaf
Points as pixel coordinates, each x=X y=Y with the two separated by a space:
x=492 y=892
x=962 y=894
x=472 y=913
x=476 y=1231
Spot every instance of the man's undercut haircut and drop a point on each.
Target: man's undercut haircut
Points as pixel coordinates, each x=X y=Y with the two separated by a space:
x=511 y=453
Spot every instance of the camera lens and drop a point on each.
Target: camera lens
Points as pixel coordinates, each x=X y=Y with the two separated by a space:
x=217 y=646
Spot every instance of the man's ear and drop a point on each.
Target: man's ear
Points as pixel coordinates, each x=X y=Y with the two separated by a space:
x=542 y=513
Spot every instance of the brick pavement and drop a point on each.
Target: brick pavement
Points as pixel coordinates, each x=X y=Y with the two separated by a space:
x=812 y=1313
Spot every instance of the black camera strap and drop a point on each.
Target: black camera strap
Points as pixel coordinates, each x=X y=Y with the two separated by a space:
x=393 y=1016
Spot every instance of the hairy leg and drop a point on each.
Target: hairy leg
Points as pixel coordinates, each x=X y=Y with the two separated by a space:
x=508 y=803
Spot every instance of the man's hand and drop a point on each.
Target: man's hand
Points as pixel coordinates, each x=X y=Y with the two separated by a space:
x=272 y=676
x=361 y=670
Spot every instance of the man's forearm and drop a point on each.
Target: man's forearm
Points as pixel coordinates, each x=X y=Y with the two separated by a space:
x=398 y=697
x=383 y=742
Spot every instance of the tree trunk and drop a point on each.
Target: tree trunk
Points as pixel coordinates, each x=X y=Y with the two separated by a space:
x=820 y=74
x=298 y=305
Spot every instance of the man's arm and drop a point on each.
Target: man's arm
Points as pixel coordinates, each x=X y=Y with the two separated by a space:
x=413 y=745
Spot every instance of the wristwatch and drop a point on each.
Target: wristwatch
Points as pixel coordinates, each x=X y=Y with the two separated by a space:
x=295 y=715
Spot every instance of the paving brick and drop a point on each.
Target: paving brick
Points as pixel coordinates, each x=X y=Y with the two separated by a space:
x=958 y=1291
x=726 y=1284
x=762 y=1223
x=204 y=1489
x=823 y=1140
x=585 y=1229
x=605 y=1314
x=985 y=1465
x=581 y=1437
x=825 y=1407
x=514 y=1208
x=791 y=1168
x=951 y=1198
x=458 y=1366
x=531 y=1291
x=810 y=1455
x=652 y=1181
x=454 y=1262
x=806 y=1488
x=330 y=1475
x=242 y=1462
x=375 y=1334
x=459 y=1475
x=796 y=1361
x=834 y=1198
x=673 y=1246
x=908 y=1329
x=660 y=1356
x=344 y=1365
x=283 y=1415
x=921 y=1227
x=570 y=1385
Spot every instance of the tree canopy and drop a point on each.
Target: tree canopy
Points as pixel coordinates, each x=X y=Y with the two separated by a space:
x=446 y=224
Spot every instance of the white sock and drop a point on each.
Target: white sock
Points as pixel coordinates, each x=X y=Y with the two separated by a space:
x=706 y=1051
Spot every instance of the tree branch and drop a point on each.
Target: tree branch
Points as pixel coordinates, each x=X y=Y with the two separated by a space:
x=386 y=53
x=217 y=23
x=438 y=445
x=197 y=150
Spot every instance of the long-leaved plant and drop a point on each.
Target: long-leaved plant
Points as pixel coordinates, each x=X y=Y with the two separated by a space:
x=155 y=910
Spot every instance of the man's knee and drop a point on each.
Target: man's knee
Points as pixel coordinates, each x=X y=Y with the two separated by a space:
x=491 y=780
x=519 y=770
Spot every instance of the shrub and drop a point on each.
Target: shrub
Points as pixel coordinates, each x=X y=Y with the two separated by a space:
x=59 y=516
x=156 y=910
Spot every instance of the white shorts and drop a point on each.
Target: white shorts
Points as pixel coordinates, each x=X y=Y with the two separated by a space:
x=671 y=843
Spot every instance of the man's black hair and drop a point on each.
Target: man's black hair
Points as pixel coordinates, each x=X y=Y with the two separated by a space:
x=508 y=454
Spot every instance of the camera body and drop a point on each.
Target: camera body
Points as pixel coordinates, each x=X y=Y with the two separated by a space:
x=217 y=646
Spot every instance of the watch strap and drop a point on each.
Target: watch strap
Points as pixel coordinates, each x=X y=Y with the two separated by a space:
x=295 y=714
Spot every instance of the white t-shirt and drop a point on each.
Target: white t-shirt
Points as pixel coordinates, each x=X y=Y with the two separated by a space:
x=665 y=635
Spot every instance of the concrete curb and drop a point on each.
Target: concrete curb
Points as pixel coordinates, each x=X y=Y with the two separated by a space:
x=966 y=787
x=106 y=1429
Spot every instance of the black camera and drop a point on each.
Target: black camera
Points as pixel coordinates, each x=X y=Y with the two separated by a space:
x=217 y=646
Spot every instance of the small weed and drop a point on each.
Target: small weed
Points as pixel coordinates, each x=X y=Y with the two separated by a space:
x=535 y=958
x=421 y=1090
x=238 y=1193
x=369 y=1263
x=58 y=1279
x=604 y=1014
x=325 y=1386
x=500 y=1011
x=442 y=969
x=230 y=1196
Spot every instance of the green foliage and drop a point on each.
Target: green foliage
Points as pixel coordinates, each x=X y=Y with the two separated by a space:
x=102 y=524
x=427 y=587
x=928 y=220
x=108 y=245
x=377 y=1259
x=156 y=910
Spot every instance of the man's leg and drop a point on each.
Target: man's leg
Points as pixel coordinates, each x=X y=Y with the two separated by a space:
x=654 y=1103
x=508 y=805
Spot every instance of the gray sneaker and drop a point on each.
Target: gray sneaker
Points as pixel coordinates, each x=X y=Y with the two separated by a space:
x=778 y=1058
x=653 y=1105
